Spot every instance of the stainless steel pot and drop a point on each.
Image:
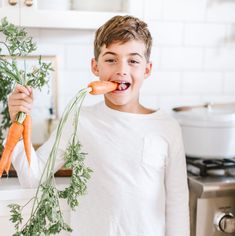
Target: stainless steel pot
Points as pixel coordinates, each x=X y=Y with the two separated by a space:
x=208 y=130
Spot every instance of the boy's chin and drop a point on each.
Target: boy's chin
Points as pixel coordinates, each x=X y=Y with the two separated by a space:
x=118 y=103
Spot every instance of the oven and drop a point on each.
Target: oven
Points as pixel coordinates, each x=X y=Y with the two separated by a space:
x=212 y=196
x=208 y=132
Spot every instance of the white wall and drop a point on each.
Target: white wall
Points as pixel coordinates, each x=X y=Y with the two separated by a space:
x=193 y=54
x=194 y=51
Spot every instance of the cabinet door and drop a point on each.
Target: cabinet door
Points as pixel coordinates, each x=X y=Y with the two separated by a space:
x=31 y=15
x=12 y=12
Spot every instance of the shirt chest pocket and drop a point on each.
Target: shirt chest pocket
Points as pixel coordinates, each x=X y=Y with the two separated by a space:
x=155 y=151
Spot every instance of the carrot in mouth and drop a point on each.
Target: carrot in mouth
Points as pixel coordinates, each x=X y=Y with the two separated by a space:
x=102 y=87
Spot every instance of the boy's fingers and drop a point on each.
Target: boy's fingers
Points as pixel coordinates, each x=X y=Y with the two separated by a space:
x=20 y=100
x=21 y=96
x=31 y=94
x=29 y=89
x=19 y=103
x=15 y=109
x=21 y=89
x=14 y=113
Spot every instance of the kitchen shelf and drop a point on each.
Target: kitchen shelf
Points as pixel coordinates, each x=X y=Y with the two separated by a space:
x=66 y=19
x=32 y=17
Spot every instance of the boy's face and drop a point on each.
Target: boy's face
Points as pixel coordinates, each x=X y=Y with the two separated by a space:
x=125 y=64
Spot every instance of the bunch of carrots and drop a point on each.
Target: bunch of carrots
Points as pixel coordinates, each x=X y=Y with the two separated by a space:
x=17 y=44
x=22 y=128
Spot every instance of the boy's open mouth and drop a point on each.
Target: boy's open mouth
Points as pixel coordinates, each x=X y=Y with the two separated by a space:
x=122 y=86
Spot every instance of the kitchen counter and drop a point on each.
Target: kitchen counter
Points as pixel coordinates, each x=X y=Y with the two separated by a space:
x=10 y=189
x=12 y=192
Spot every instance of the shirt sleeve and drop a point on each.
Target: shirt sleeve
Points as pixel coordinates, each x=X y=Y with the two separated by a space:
x=177 y=197
x=29 y=176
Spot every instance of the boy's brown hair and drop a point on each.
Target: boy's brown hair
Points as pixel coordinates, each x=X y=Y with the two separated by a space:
x=122 y=29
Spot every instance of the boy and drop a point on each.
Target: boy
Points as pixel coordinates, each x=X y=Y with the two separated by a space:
x=139 y=183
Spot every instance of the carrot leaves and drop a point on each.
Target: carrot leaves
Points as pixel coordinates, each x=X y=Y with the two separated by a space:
x=46 y=216
x=81 y=174
x=16 y=216
x=15 y=43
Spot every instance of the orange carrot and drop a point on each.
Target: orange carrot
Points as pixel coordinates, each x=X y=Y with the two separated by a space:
x=14 y=134
x=102 y=87
x=8 y=165
x=27 y=136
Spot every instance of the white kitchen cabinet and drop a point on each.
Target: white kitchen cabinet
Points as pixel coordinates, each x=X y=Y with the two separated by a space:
x=12 y=13
x=32 y=16
x=12 y=192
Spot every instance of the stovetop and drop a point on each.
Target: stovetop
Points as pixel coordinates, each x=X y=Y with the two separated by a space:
x=211 y=167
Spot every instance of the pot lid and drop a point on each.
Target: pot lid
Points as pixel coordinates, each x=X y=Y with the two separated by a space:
x=209 y=115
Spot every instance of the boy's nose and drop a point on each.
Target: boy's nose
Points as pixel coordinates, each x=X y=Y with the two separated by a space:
x=121 y=73
x=122 y=69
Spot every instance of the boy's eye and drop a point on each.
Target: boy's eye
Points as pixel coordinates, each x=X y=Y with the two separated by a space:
x=134 y=61
x=110 y=60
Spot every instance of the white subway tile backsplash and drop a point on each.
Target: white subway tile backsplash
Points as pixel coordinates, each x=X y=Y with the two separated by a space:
x=204 y=34
x=220 y=11
x=229 y=83
x=220 y=98
x=155 y=57
x=167 y=102
x=154 y=9
x=179 y=58
x=202 y=82
x=163 y=82
x=230 y=39
x=167 y=33
x=184 y=10
x=220 y=59
x=79 y=56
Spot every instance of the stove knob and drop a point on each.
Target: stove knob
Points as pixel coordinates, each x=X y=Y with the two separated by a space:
x=225 y=222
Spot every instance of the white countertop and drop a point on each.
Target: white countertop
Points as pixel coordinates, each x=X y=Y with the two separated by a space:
x=12 y=185
x=12 y=192
x=10 y=189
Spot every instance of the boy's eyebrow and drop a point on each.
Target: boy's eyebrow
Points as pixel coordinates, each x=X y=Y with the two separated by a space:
x=131 y=54
x=112 y=53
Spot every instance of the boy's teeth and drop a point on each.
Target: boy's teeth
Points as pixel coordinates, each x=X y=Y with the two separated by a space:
x=122 y=86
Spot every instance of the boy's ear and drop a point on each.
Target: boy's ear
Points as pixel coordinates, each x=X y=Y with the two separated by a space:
x=94 y=67
x=148 y=70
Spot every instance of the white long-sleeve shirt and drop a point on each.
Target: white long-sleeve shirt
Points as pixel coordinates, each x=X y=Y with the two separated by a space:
x=138 y=185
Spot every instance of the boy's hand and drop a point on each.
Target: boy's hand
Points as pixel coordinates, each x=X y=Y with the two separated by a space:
x=21 y=99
